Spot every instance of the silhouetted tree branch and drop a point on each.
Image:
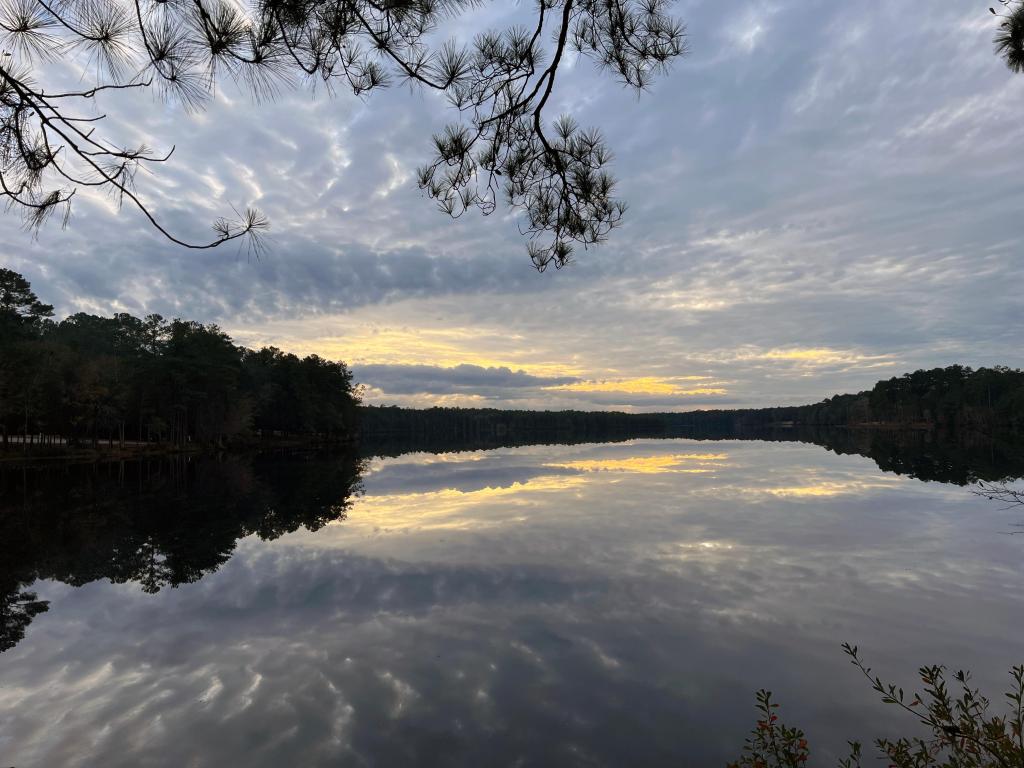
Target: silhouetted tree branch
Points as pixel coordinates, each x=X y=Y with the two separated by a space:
x=1000 y=492
x=1009 y=40
x=500 y=85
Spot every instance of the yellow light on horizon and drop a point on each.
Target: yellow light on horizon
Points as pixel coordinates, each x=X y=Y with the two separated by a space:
x=642 y=385
x=647 y=465
x=368 y=344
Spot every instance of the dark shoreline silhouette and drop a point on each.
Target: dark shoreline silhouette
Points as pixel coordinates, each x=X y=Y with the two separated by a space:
x=90 y=386
x=123 y=386
x=956 y=399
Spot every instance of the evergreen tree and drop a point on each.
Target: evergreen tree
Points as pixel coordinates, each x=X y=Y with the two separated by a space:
x=500 y=145
x=89 y=379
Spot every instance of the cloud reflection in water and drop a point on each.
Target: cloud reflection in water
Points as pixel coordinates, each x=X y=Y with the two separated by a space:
x=590 y=605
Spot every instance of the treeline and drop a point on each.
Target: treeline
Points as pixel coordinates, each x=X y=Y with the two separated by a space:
x=989 y=400
x=88 y=379
x=960 y=457
x=453 y=425
x=957 y=398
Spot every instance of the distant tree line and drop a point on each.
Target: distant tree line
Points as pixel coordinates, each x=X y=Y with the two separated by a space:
x=450 y=426
x=989 y=400
x=88 y=379
x=960 y=458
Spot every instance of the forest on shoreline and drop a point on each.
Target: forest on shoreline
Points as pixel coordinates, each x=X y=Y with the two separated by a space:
x=90 y=382
x=952 y=399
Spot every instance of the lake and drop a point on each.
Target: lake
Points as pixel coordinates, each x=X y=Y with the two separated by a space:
x=610 y=604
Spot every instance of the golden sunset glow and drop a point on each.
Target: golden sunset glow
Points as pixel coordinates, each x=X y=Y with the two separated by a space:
x=649 y=465
x=644 y=385
x=591 y=378
x=373 y=344
x=452 y=509
x=829 y=488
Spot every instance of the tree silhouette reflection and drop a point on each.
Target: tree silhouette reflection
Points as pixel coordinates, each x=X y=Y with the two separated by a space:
x=157 y=523
x=165 y=522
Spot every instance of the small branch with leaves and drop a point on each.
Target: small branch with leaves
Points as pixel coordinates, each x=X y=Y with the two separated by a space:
x=959 y=730
x=500 y=85
x=1009 y=40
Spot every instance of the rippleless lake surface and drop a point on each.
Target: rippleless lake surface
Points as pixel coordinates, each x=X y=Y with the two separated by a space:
x=606 y=604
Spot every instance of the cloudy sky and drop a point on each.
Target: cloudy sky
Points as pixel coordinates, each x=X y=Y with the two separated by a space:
x=821 y=195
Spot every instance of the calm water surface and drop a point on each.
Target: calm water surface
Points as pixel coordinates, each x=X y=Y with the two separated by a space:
x=613 y=604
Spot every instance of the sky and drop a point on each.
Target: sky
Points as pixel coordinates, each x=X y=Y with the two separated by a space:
x=821 y=195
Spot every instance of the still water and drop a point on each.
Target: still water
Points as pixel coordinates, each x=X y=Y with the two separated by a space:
x=605 y=604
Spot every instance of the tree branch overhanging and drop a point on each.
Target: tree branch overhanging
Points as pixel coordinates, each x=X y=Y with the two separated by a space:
x=502 y=144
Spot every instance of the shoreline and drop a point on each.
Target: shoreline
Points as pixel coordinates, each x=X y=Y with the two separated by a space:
x=19 y=453
x=14 y=453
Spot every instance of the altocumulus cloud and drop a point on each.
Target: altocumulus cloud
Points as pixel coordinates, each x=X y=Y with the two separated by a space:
x=822 y=194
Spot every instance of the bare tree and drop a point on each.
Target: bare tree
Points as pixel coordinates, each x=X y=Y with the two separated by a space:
x=500 y=145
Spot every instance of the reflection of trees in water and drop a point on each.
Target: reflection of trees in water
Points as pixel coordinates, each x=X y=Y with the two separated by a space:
x=158 y=523
x=948 y=457
x=171 y=521
x=961 y=458
x=945 y=457
x=17 y=609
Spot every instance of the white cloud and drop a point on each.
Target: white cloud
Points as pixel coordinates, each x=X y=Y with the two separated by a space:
x=847 y=185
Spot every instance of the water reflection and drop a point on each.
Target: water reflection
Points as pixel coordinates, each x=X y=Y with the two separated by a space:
x=156 y=523
x=692 y=463
x=592 y=605
x=948 y=457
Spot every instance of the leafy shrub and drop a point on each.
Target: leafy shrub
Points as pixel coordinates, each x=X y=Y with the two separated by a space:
x=959 y=730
